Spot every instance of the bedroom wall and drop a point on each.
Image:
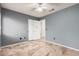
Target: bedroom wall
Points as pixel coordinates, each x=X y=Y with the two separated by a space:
x=14 y=27
x=63 y=26
x=0 y=26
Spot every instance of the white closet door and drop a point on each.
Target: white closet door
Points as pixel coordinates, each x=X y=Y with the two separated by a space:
x=34 y=29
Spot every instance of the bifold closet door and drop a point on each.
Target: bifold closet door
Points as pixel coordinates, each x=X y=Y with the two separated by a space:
x=34 y=29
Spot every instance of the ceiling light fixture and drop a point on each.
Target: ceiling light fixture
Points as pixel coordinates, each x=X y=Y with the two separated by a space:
x=40 y=7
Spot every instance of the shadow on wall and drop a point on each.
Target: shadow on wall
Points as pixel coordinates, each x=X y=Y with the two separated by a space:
x=7 y=40
x=13 y=31
x=14 y=27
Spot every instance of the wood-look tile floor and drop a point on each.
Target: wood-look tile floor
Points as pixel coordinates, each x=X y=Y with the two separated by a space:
x=36 y=48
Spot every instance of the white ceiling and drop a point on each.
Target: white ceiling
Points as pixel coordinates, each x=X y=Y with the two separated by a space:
x=26 y=8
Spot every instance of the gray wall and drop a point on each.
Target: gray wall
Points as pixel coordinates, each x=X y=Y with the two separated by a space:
x=0 y=26
x=63 y=27
x=14 y=27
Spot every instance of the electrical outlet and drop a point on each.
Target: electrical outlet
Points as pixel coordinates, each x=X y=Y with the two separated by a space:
x=20 y=38
x=54 y=38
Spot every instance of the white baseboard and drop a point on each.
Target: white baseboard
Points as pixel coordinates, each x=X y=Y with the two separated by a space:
x=62 y=45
